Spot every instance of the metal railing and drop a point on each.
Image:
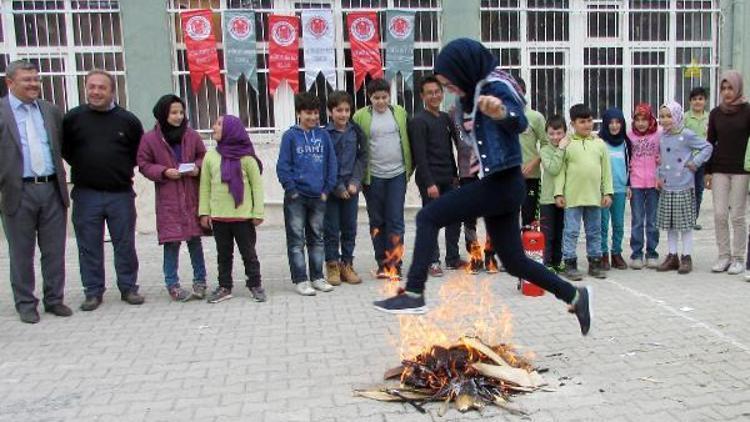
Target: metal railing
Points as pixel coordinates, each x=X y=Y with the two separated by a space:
x=605 y=53
x=66 y=39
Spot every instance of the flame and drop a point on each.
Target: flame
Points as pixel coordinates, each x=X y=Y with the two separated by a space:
x=476 y=254
x=467 y=307
x=393 y=258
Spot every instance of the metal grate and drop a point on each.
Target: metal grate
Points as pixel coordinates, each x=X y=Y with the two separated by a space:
x=606 y=53
x=66 y=39
x=257 y=110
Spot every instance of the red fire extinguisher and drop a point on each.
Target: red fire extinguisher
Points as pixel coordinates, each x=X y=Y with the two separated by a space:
x=533 y=245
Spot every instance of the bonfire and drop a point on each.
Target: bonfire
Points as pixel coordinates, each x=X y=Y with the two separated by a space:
x=459 y=354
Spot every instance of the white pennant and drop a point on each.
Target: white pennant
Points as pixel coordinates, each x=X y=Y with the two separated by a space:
x=317 y=37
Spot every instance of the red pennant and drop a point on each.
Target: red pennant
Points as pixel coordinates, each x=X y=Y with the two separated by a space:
x=283 y=51
x=200 y=42
x=364 y=37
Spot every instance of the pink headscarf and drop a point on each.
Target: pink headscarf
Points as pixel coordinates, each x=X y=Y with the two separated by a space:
x=678 y=115
x=734 y=78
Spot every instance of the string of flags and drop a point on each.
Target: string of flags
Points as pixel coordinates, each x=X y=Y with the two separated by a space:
x=315 y=30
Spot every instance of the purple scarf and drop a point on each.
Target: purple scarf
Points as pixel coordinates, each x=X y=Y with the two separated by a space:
x=234 y=144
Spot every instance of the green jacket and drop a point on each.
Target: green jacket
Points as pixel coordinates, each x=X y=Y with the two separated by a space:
x=363 y=117
x=699 y=125
x=585 y=176
x=215 y=199
x=533 y=139
x=552 y=160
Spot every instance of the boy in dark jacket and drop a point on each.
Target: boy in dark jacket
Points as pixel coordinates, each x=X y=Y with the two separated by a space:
x=433 y=135
x=341 y=212
x=307 y=170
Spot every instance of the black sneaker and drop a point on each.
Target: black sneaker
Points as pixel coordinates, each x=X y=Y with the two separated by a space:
x=571 y=271
x=220 y=294
x=402 y=304
x=476 y=266
x=258 y=293
x=381 y=273
x=490 y=264
x=583 y=308
x=91 y=303
x=132 y=297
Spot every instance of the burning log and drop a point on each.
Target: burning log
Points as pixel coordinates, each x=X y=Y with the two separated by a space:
x=470 y=375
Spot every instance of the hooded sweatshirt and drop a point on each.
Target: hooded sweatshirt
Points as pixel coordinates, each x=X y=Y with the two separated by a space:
x=644 y=157
x=619 y=149
x=585 y=175
x=307 y=162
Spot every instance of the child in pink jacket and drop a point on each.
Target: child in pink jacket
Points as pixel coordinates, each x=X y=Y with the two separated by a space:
x=644 y=136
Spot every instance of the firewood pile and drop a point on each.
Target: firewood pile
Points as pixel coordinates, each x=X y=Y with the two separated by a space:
x=469 y=375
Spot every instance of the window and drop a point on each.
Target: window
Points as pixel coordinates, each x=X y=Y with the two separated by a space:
x=649 y=20
x=649 y=77
x=66 y=39
x=547 y=82
x=602 y=76
x=501 y=20
x=603 y=20
x=548 y=20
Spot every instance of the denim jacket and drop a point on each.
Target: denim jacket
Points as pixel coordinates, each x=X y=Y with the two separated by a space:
x=496 y=142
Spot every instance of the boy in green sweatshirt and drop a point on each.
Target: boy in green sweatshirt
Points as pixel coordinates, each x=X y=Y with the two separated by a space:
x=552 y=217
x=583 y=187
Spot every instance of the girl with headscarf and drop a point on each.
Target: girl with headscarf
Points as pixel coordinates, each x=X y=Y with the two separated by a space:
x=171 y=155
x=466 y=68
x=644 y=161
x=682 y=152
x=231 y=204
x=613 y=133
x=728 y=132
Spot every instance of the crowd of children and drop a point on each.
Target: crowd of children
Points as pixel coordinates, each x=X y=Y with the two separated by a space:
x=656 y=163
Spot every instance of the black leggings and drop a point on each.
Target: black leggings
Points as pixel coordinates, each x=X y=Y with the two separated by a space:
x=498 y=199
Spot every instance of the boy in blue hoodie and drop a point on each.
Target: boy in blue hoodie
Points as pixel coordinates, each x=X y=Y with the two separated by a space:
x=307 y=170
x=343 y=205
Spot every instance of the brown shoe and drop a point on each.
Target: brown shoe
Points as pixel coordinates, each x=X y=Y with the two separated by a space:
x=618 y=262
x=333 y=273
x=604 y=263
x=671 y=263
x=686 y=264
x=348 y=275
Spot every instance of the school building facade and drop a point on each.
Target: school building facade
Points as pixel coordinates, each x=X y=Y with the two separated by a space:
x=602 y=52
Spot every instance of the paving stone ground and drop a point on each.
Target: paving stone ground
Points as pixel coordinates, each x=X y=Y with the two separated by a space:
x=664 y=347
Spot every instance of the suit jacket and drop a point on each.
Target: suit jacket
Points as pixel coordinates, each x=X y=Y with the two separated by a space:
x=11 y=159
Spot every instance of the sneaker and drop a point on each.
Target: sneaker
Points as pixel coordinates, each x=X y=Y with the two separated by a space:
x=618 y=262
x=322 y=285
x=305 y=289
x=333 y=273
x=671 y=263
x=697 y=227
x=490 y=264
x=435 y=270
x=736 y=267
x=571 y=271
x=91 y=303
x=348 y=275
x=652 y=263
x=199 y=291
x=583 y=309
x=637 y=263
x=178 y=294
x=476 y=266
x=402 y=303
x=721 y=265
x=132 y=297
x=258 y=293
x=747 y=275
x=381 y=273
x=459 y=264
x=219 y=295
x=595 y=268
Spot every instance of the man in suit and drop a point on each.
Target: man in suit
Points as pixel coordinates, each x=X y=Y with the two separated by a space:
x=33 y=191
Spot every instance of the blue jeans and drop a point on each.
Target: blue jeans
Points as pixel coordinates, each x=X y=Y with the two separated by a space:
x=497 y=198
x=644 y=205
x=91 y=209
x=385 y=207
x=617 y=213
x=303 y=219
x=699 y=187
x=452 y=232
x=592 y=221
x=341 y=228
x=172 y=259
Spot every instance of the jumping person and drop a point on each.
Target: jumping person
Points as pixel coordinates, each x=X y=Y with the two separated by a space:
x=469 y=70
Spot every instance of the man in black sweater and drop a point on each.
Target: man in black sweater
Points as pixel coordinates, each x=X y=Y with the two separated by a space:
x=100 y=142
x=433 y=134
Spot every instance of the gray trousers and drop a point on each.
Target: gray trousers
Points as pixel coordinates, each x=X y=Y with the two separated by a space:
x=40 y=218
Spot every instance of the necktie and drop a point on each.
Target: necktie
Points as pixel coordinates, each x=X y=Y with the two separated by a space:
x=35 y=144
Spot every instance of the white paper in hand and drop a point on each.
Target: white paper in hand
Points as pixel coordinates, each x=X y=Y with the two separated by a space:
x=186 y=167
